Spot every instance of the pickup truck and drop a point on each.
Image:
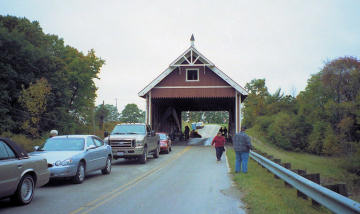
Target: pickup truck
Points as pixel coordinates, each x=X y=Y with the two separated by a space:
x=133 y=141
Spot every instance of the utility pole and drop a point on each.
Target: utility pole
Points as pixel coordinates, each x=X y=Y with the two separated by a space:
x=102 y=116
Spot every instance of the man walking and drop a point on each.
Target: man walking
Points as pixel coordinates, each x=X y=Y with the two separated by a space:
x=242 y=146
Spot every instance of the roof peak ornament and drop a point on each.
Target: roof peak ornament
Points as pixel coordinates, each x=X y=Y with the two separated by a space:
x=192 y=40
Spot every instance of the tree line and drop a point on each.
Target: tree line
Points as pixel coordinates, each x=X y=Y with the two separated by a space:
x=45 y=84
x=322 y=119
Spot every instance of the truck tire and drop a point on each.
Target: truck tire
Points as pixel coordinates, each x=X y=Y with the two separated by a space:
x=156 y=152
x=143 y=157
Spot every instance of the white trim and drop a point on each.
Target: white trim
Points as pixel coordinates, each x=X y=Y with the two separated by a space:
x=191 y=57
x=147 y=108
x=192 y=69
x=229 y=81
x=186 y=59
x=150 y=122
x=240 y=113
x=236 y=112
x=196 y=59
x=188 y=65
x=215 y=86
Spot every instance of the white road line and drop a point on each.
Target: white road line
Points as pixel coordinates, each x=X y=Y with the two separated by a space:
x=227 y=161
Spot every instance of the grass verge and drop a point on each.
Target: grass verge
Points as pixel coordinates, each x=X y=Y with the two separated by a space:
x=330 y=168
x=265 y=194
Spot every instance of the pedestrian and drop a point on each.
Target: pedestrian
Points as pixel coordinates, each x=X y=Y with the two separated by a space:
x=219 y=143
x=242 y=146
x=186 y=132
x=225 y=132
x=53 y=133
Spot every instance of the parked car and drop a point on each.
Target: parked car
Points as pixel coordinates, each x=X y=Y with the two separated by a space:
x=199 y=125
x=165 y=142
x=133 y=141
x=73 y=156
x=20 y=173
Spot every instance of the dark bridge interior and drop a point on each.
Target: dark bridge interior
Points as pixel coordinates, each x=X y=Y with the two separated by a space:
x=166 y=112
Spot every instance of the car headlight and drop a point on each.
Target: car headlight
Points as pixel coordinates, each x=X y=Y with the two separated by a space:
x=63 y=163
x=139 y=143
x=66 y=162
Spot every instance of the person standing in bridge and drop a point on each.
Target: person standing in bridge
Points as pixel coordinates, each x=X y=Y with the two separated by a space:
x=242 y=146
x=219 y=143
x=187 y=132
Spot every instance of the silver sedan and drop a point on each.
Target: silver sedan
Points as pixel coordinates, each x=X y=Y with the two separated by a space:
x=74 y=156
x=20 y=173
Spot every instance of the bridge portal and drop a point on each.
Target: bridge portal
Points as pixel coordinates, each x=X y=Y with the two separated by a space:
x=191 y=83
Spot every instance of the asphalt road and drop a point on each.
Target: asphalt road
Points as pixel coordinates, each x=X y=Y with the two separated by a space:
x=188 y=180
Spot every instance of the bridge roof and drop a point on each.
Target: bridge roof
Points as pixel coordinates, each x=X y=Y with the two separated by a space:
x=190 y=58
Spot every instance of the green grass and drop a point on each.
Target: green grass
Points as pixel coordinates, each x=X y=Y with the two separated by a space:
x=330 y=168
x=265 y=194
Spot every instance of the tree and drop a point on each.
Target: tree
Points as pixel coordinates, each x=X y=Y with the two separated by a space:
x=34 y=100
x=28 y=54
x=106 y=113
x=255 y=103
x=132 y=114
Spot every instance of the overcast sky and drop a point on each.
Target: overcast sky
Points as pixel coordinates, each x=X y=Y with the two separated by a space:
x=282 y=41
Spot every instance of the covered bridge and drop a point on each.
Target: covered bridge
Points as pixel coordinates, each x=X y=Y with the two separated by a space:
x=191 y=83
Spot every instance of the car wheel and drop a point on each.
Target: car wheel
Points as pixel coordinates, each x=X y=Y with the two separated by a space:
x=107 y=168
x=143 y=157
x=80 y=174
x=167 y=150
x=25 y=191
x=157 y=152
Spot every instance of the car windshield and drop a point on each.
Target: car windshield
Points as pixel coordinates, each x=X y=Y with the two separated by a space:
x=63 y=144
x=162 y=136
x=129 y=129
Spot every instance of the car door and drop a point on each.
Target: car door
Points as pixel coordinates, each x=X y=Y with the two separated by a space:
x=101 y=153
x=90 y=155
x=10 y=170
x=151 y=138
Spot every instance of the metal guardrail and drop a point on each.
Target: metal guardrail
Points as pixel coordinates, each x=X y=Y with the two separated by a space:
x=332 y=200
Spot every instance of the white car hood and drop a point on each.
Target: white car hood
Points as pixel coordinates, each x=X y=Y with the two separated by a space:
x=53 y=156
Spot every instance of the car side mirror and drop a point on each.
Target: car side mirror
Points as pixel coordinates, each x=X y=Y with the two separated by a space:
x=106 y=133
x=36 y=148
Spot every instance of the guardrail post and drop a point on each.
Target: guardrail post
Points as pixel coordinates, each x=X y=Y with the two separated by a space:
x=339 y=188
x=278 y=161
x=316 y=179
x=302 y=173
x=287 y=166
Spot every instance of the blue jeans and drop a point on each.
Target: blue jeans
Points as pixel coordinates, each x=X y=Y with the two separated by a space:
x=241 y=161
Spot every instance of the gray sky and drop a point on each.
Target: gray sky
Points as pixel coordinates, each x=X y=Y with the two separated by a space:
x=282 y=41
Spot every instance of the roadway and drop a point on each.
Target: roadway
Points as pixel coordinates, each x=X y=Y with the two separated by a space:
x=188 y=180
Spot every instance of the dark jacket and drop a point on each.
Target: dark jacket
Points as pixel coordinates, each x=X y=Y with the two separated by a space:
x=242 y=142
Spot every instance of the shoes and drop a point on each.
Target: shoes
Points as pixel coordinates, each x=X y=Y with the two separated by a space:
x=218 y=159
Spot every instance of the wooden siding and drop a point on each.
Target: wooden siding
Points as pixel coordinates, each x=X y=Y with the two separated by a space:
x=192 y=92
x=178 y=78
